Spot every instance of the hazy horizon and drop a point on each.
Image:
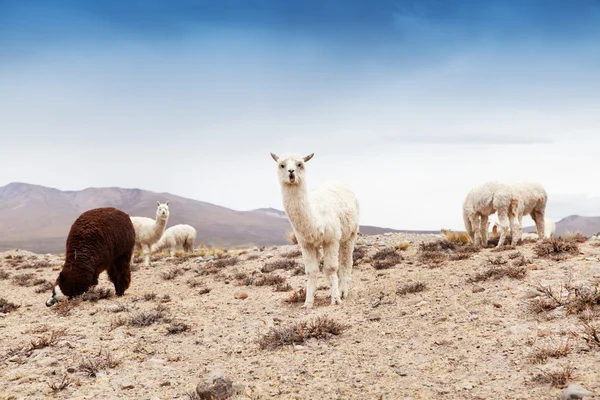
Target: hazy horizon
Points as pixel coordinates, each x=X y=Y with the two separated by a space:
x=411 y=102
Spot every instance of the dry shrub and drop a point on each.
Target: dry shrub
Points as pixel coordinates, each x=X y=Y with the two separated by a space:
x=283 y=287
x=591 y=328
x=269 y=280
x=252 y=257
x=577 y=237
x=158 y=315
x=322 y=327
x=149 y=296
x=596 y=243
x=402 y=246
x=47 y=340
x=64 y=307
x=46 y=286
x=172 y=274
x=282 y=263
x=541 y=355
x=6 y=306
x=292 y=237
x=297 y=296
x=177 y=327
x=292 y=254
x=194 y=283
x=4 y=275
x=358 y=254
x=386 y=258
x=521 y=261
x=204 y=290
x=514 y=255
x=558 y=378
x=102 y=361
x=582 y=298
x=499 y=272
x=96 y=293
x=456 y=237
x=224 y=261
x=24 y=279
x=504 y=247
x=436 y=253
x=556 y=248
x=57 y=386
x=411 y=288
x=181 y=258
x=576 y=299
x=498 y=260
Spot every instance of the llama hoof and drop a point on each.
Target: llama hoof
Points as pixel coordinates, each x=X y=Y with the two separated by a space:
x=336 y=301
x=307 y=306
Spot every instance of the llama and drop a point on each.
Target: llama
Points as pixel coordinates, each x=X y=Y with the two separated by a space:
x=549 y=230
x=325 y=217
x=483 y=201
x=148 y=231
x=100 y=239
x=528 y=198
x=176 y=236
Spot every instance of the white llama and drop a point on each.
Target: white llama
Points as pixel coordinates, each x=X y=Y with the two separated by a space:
x=483 y=201
x=181 y=235
x=528 y=198
x=148 y=231
x=326 y=216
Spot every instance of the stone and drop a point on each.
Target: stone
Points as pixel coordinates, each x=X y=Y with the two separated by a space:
x=215 y=386
x=241 y=295
x=126 y=384
x=47 y=361
x=575 y=391
x=477 y=289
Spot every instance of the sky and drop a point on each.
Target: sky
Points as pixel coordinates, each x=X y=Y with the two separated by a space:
x=411 y=102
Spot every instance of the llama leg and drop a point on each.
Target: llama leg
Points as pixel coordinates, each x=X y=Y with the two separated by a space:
x=503 y=223
x=346 y=261
x=483 y=225
x=331 y=267
x=120 y=274
x=538 y=217
x=146 y=252
x=310 y=256
x=171 y=252
x=469 y=227
x=476 y=231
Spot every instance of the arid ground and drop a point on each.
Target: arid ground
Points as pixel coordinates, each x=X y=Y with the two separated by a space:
x=423 y=321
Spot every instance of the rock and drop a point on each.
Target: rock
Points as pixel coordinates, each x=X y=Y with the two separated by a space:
x=241 y=295
x=70 y=370
x=215 y=386
x=467 y=386
x=575 y=391
x=126 y=384
x=14 y=358
x=477 y=289
x=591 y=259
x=374 y=317
x=518 y=330
x=48 y=361
x=299 y=347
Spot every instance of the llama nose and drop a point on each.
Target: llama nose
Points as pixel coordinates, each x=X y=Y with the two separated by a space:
x=291 y=171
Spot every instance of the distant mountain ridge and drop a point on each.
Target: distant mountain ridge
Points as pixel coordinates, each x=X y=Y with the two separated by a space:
x=38 y=218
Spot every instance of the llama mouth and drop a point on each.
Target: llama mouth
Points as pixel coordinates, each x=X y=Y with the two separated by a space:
x=292 y=178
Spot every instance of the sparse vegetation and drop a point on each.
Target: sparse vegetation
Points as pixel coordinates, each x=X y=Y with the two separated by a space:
x=297 y=333
x=282 y=263
x=269 y=280
x=177 y=327
x=64 y=307
x=542 y=354
x=411 y=288
x=146 y=318
x=97 y=293
x=292 y=254
x=149 y=296
x=6 y=306
x=559 y=377
x=172 y=274
x=577 y=237
x=498 y=272
x=556 y=248
x=24 y=279
x=57 y=386
x=102 y=361
x=283 y=287
x=386 y=258
x=297 y=296
x=358 y=255
x=47 y=340
x=436 y=253
x=4 y=275
x=46 y=286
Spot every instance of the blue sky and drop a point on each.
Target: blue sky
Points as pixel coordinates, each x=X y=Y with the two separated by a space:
x=411 y=102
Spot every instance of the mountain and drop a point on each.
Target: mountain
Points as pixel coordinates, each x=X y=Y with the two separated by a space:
x=38 y=218
x=588 y=226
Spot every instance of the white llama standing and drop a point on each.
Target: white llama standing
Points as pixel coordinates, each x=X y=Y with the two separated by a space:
x=325 y=217
x=148 y=231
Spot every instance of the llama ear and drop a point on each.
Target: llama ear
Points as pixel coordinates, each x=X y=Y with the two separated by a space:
x=157 y=203
x=167 y=203
x=308 y=157
x=275 y=157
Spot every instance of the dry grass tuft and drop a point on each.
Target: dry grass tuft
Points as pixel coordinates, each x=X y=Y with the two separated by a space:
x=182 y=257
x=64 y=307
x=411 y=288
x=386 y=258
x=177 y=327
x=577 y=237
x=57 y=386
x=47 y=340
x=402 y=246
x=6 y=306
x=557 y=378
x=541 y=355
x=4 y=275
x=160 y=314
x=358 y=255
x=292 y=254
x=318 y=328
x=297 y=296
x=282 y=263
x=269 y=280
x=96 y=293
x=252 y=257
x=149 y=296
x=436 y=253
x=283 y=287
x=46 y=286
x=556 y=248
x=498 y=272
x=224 y=262
x=456 y=237
x=24 y=279
x=102 y=361
x=172 y=274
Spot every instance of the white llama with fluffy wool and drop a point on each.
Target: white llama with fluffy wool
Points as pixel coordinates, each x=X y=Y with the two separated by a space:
x=148 y=231
x=528 y=198
x=324 y=217
x=483 y=201
x=181 y=235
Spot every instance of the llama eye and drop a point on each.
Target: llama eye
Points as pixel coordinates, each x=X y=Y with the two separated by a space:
x=299 y=165
x=282 y=166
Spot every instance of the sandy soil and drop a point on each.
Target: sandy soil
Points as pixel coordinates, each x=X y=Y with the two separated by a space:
x=454 y=340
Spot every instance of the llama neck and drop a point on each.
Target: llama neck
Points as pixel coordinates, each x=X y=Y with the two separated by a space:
x=298 y=209
x=159 y=226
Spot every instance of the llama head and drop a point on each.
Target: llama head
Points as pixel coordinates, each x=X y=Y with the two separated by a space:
x=57 y=294
x=290 y=168
x=162 y=212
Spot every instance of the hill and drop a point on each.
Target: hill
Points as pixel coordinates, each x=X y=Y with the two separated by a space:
x=38 y=218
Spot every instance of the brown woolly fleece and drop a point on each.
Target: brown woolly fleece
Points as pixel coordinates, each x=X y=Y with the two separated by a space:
x=101 y=239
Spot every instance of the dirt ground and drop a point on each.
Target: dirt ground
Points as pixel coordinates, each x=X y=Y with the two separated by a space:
x=183 y=317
